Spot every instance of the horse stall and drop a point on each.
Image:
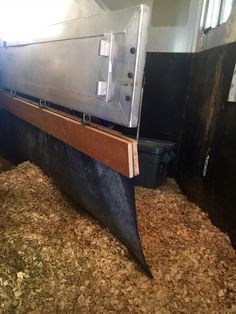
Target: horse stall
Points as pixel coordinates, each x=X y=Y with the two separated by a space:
x=117 y=156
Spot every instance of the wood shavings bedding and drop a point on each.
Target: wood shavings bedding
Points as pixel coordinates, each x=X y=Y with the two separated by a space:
x=55 y=258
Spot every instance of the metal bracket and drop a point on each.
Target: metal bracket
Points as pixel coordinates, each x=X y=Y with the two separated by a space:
x=13 y=93
x=42 y=104
x=104 y=47
x=101 y=88
x=86 y=120
x=106 y=50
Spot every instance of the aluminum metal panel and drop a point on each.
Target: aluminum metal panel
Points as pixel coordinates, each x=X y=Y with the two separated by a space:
x=67 y=64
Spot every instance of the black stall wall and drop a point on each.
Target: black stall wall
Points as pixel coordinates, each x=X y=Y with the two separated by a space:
x=166 y=82
x=209 y=137
x=185 y=100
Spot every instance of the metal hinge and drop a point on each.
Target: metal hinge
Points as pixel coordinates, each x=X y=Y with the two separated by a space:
x=101 y=88
x=104 y=47
x=106 y=51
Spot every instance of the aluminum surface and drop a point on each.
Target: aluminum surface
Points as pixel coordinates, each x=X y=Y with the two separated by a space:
x=66 y=66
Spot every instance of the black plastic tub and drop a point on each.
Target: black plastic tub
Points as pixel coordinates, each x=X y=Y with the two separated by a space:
x=154 y=157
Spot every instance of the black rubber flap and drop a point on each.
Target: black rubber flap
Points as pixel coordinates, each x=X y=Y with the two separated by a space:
x=107 y=195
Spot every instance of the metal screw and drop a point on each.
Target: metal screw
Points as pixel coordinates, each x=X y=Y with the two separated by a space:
x=132 y=50
x=130 y=75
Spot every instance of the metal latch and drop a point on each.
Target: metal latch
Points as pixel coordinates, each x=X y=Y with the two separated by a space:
x=106 y=51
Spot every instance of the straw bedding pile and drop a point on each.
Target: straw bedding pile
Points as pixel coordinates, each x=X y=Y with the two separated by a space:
x=55 y=258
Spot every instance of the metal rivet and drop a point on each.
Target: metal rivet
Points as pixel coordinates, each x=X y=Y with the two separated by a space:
x=132 y=50
x=130 y=75
x=127 y=98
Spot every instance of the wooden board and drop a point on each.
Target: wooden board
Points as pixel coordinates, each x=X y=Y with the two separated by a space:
x=114 y=151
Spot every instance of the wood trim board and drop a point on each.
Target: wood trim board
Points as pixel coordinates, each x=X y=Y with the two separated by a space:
x=113 y=150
